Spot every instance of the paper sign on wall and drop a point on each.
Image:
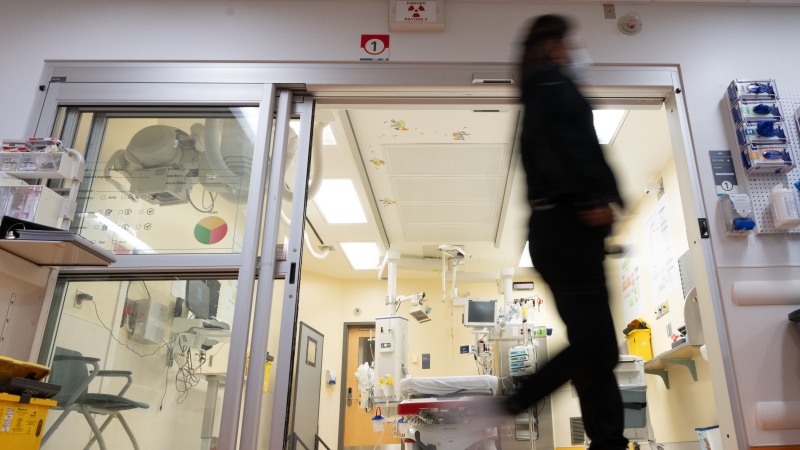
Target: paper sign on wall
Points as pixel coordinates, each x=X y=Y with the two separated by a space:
x=724 y=173
x=415 y=11
x=632 y=296
x=374 y=47
x=663 y=265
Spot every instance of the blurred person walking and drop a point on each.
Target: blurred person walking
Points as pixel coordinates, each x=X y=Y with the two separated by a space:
x=571 y=189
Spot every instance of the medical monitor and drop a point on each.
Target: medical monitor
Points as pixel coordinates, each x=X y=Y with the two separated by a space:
x=202 y=298
x=480 y=313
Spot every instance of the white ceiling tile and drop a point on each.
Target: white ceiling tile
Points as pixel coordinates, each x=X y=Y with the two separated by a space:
x=448 y=189
x=449 y=233
x=461 y=159
x=449 y=213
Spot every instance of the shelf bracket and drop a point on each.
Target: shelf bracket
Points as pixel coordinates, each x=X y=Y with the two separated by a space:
x=660 y=372
x=686 y=362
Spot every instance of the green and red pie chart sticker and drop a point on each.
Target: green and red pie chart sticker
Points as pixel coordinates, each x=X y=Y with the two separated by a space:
x=210 y=230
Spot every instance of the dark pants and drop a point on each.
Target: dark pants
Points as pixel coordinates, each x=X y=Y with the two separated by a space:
x=569 y=256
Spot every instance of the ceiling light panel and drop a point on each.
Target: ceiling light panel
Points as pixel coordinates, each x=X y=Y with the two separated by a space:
x=328 y=137
x=361 y=255
x=607 y=123
x=338 y=202
x=525 y=258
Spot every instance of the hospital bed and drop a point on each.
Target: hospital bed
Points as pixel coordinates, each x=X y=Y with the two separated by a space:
x=440 y=414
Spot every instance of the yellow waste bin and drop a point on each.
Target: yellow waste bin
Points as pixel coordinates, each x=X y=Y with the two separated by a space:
x=22 y=419
x=22 y=424
x=639 y=344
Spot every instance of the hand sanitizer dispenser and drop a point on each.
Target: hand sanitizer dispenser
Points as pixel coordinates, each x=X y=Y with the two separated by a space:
x=738 y=214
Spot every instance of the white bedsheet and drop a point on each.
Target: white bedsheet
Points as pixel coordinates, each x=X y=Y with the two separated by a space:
x=447 y=385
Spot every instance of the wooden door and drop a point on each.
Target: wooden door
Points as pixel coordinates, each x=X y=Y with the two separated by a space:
x=357 y=421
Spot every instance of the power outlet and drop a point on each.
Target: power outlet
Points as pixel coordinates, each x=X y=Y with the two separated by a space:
x=80 y=296
x=609 y=12
x=661 y=310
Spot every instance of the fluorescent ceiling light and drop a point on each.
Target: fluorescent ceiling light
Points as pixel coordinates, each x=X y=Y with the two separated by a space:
x=338 y=202
x=361 y=255
x=606 y=123
x=525 y=259
x=328 y=138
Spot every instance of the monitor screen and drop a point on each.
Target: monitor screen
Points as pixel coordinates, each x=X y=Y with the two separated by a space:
x=202 y=298
x=480 y=313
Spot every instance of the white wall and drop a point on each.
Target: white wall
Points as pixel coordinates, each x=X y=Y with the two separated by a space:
x=707 y=42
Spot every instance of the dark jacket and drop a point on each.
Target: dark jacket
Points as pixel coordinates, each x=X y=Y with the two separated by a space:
x=562 y=158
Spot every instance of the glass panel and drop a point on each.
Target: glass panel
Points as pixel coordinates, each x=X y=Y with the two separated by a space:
x=166 y=181
x=288 y=194
x=82 y=133
x=171 y=337
x=366 y=350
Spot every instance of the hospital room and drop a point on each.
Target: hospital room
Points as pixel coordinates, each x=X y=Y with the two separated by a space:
x=416 y=288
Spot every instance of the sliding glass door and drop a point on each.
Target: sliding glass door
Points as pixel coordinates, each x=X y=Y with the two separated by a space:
x=189 y=185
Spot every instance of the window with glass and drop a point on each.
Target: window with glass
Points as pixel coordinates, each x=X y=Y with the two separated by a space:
x=163 y=180
x=155 y=351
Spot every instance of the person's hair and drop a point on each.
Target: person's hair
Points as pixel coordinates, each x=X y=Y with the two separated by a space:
x=543 y=29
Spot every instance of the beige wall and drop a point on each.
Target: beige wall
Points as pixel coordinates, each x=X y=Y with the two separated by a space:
x=87 y=330
x=676 y=412
x=327 y=303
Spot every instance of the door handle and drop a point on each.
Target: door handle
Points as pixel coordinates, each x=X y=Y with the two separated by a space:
x=349 y=396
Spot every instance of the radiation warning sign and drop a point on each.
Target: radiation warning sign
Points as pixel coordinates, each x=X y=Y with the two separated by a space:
x=409 y=11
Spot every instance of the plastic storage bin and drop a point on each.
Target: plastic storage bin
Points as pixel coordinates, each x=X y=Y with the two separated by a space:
x=630 y=370
x=634 y=402
x=639 y=344
x=710 y=438
x=22 y=426
x=22 y=419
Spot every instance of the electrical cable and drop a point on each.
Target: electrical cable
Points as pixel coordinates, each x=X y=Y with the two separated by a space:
x=211 y=196
x=111 y=333
x=380 y=439
x=185 y=377
x=205 y=211
x=166 y=377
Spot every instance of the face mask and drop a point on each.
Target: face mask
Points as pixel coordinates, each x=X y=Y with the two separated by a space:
x=580 y=65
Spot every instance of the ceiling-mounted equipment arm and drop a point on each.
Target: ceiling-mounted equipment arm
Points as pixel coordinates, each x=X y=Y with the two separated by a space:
x=457 y=254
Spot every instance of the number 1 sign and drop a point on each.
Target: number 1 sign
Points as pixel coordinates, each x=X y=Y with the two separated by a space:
x=374 y=47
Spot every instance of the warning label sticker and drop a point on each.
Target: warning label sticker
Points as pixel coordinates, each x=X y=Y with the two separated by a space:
x=9 y=416
x=415 y=11
x=20 y=421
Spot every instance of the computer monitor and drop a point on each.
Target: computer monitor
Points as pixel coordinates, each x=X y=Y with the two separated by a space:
x=202 y=298
x=480 y=313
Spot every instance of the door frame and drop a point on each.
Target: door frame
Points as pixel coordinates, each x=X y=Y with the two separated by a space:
x=341 y=82
x=343 y=390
